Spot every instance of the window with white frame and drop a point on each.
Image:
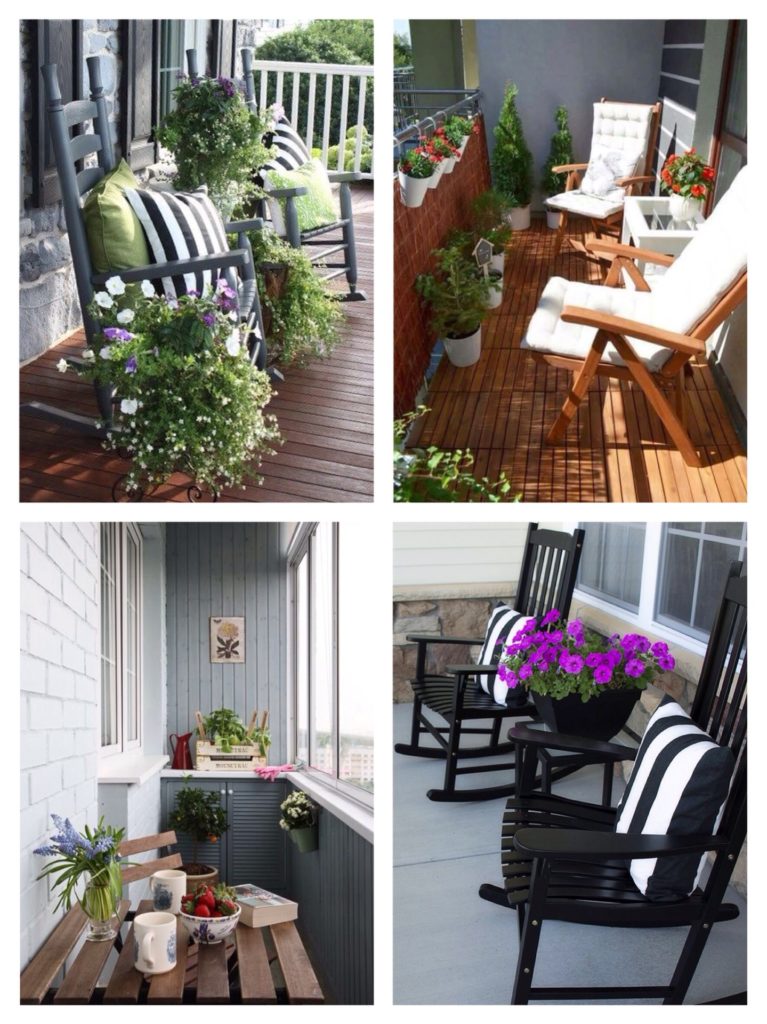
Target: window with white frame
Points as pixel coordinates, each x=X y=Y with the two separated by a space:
x=333 y=715
x=176 y=37
x=121 y=637
x=667 y=576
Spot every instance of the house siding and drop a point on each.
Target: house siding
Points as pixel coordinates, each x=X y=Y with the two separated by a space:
x=678 y=86
x=60 y=672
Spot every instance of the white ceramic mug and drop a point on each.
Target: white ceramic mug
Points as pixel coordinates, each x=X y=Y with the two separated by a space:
x=154 y=943
x=168 y=888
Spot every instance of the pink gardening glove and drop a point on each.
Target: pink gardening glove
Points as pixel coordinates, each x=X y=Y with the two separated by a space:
x=271 y=771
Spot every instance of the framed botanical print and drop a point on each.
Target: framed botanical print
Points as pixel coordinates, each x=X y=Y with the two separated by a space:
x=227 y=640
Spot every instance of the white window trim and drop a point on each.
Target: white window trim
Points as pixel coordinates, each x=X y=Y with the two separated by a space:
x=336 y=799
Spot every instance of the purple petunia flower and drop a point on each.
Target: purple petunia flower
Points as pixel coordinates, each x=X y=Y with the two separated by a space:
x=659 y=649
x=666 y=662
x=226 y=85
x=512 y=680
x=603 y=674
x=117 y=334
x=131 y=365
x=550 y=617
x=634 y=667
x=526 y=670
x=208 y=319
x=642 y=645
x=613 y=658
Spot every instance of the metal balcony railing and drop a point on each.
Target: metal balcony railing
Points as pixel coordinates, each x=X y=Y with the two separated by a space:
x=409 y=133
x=325 y=104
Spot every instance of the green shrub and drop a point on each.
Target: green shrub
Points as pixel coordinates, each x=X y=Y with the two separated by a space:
x=561 y=152
x=512 y=161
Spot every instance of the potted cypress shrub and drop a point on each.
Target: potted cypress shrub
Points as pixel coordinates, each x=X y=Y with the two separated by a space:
x=561 y=153
x=199 y=815
x=512 y=161
x=458 y=299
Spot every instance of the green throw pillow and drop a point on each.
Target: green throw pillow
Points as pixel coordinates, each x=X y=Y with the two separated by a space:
x=313 y=209
x=115 y=237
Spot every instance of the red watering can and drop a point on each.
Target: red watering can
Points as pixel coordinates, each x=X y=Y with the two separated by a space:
x=182 y=756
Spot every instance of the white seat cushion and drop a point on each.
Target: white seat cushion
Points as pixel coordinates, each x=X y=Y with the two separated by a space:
x=595 y=207
x=547 y=333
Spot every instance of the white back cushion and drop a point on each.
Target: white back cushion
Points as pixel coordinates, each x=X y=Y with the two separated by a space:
x=624 y=127
x=709 y=265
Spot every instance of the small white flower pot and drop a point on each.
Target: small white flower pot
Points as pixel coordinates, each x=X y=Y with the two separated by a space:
x=519 y=218
x=497 y=261
x=439 y=170
x=553 y=219
x=683 y=208
x=449 y=164
x=412 y=190
x=464 y=144
x=464 y=351
x=496 y=291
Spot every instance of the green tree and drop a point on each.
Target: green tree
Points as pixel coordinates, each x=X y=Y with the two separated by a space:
x=561 y=152
x=403 y=51
x=512 y=160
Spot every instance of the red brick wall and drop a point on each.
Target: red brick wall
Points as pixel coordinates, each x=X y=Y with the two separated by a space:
x=416 y=233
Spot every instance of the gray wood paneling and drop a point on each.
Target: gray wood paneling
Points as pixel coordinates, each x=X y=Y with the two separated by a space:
x=334 y=891
x=226 y=569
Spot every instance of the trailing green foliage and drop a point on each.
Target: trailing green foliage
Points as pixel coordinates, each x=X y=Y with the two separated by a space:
x=512 y=161
x=561 y=152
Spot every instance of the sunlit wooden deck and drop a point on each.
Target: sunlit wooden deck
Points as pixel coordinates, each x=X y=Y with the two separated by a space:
x=503 y=407
x=325 y=413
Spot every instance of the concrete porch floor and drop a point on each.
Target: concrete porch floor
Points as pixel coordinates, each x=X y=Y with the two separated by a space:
x=450 y=947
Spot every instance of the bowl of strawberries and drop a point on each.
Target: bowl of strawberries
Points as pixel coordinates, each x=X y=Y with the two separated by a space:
x=210 y=914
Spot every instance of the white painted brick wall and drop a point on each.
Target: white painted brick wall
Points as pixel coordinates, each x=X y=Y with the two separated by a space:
x=59 y=699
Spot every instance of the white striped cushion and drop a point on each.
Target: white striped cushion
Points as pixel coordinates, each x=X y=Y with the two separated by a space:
x=503 y=623
x=179 y=225
x=290 y=151
x=678 y=786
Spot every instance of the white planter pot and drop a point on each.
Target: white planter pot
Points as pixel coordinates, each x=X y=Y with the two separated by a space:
x=464 y=351
x=439 y=170
x=464 y=144
x=448 y=165
x=496 y=292
x=553 y=219
x=683 y=208
x=412 y=190
x=497 y=261
x=519 y=218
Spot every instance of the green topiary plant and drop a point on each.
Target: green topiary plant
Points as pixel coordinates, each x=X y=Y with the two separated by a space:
x=512 y=161
x=199 y=815
x=456 y=296
x=561 y=152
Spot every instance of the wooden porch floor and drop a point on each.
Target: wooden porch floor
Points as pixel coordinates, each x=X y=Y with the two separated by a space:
x=325 y=413
x=503 y=406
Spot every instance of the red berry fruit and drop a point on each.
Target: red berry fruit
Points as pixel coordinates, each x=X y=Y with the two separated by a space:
x=202 y=910
x=216 y=913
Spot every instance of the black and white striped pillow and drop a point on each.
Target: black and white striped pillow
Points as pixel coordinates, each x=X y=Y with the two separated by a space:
x=178 y=225
x=678 y=786
x=290 y=151
x=503 y=623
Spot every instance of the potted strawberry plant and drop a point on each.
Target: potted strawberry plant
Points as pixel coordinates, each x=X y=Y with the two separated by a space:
x=199 y=815
x=458 y=299
x=416 y=169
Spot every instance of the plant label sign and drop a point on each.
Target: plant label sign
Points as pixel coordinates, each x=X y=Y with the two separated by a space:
x=227 y=640
x=483 y=254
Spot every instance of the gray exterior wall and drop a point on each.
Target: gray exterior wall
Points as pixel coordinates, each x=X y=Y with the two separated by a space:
x=334 y=890
x=227 y=569
x=573 y=63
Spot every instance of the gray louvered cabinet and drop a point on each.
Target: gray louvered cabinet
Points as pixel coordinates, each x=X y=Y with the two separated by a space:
x=253 y=847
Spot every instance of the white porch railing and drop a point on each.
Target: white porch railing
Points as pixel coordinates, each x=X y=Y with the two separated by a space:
x=279 y=81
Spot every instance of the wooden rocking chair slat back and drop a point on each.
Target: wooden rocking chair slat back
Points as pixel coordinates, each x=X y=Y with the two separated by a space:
x=549 y=570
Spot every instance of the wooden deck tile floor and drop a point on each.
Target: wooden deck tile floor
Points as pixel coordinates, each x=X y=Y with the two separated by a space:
x=617 y=450
x=325 y=413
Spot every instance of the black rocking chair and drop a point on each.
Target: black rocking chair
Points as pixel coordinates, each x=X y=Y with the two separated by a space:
x=75 y=181
x=316 y=238
x=547 y=579
x=562 y=861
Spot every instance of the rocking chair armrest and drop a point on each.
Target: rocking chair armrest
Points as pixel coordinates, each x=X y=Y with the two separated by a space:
x=195 y=264
x=612 y=248
x=577 y=744
x=566 y=168
x=287 y=193
x=579 y=844
x=620 y=325
x=470 y=670
x=339 y=177
x=420 y=638
x=238 y=226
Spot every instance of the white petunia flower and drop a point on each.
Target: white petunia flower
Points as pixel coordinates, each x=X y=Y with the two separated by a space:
x=128 y=405
x=225 y=400
x=115 y=286
x=106 y=352
x=125 y=316
x=89 y=354
x=62 y=366
x=233 y=343
x=104 y=299
x=147 y=289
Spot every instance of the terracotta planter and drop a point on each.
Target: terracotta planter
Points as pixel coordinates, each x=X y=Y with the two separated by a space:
x=198 y=876
x=519 y=218
x=413 y=190
x=464 y=351
x=275 y=279
x=600 y=718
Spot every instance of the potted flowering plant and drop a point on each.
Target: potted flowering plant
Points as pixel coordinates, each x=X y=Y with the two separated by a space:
x=444 y=148
x=416 y=169
x=686 y=179
x=581 y=683
x=459 y=130
x=299 y=820
x=216 y=140
x=190 y=399
x=458 y=300
x=199 y=815
x=91 y=855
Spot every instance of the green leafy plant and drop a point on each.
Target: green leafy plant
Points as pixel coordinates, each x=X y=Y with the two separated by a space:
x=512 y=160
x=298 y=812
x=190 y=400
x=92 y=853
x=350 y=149
x=198 y=814
x=403 y=51
x=227 y=730
x=457 y=128
x=490 y=210
x=688 y=175
x=430 y=474
x=457 y=298
x=305 y=317
x=417 y=163
x=215 y=139
x=560 y=153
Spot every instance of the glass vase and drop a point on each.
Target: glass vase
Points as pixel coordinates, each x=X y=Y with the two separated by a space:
x=100 y=902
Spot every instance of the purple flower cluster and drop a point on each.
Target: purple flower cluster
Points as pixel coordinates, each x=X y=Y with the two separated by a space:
x=68 y=842
x=226 y=85
x=117 y=334
x=226 y=297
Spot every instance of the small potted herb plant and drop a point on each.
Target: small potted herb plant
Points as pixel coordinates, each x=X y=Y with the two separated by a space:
x=416 y=169
x=560 y=153
x=512 y=160
x=299 y=820
x=199 y=815
x=458 y=299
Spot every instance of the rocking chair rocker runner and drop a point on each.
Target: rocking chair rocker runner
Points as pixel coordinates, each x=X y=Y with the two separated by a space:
x=641 y=335
x=75 y=182
x=547 y=579
x=315 y=236
x=563 y=861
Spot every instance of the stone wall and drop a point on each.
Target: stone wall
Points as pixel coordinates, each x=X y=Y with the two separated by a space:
x=416 y=233
x=48 y=305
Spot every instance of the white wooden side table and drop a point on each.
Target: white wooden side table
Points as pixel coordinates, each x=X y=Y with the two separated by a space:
x=647 y=224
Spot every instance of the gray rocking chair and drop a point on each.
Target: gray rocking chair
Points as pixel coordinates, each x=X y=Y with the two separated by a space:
x=316 y=237
x=75 y=182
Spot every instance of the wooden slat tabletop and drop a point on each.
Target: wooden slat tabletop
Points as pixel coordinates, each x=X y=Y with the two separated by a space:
x=82 y=977
x=39 y=974
x=300 y=979
x=256 y=983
